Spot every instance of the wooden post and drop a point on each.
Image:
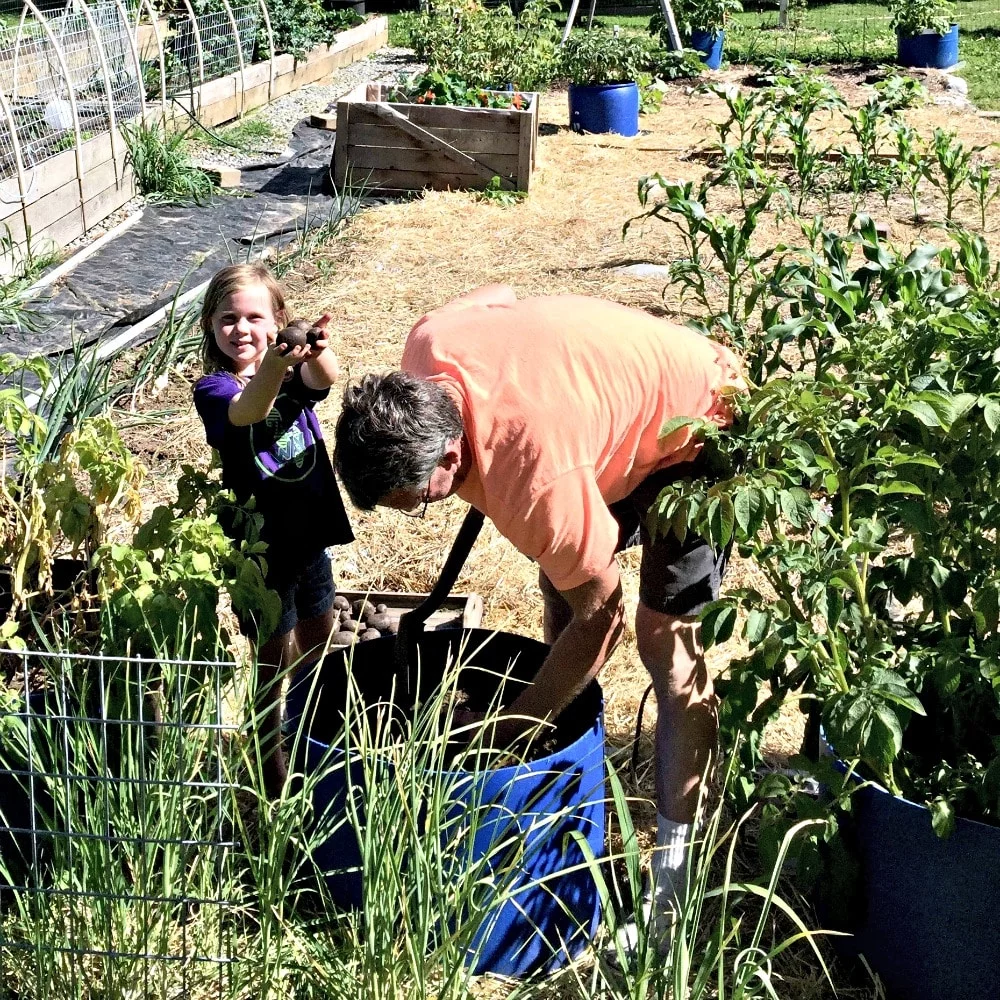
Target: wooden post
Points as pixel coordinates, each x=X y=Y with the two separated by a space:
x=673 y=35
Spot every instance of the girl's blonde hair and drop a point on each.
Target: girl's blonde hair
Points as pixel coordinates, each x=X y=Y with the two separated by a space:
x=230 y=279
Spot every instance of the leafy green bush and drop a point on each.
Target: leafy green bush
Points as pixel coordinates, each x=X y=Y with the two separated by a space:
x=911 y=17
x=602 y=55
x=863 y=485
x=489 y=47
x=434 y=87
x=696 y=15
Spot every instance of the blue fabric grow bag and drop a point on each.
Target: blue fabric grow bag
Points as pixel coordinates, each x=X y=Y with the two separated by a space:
x=608 y=107
x=709 y=44
x=927 y=905
x=548 y=913
x=928 y=50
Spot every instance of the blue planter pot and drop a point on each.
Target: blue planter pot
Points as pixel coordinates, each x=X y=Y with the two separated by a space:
x=928 y=50
x=926 y=906
x=709 y=44
x=547 y=913
x=609 y=107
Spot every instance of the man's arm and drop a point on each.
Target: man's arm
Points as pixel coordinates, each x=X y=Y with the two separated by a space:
x=576 y=657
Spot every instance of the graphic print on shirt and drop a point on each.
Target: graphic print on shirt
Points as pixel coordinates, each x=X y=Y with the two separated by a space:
x=284 y=447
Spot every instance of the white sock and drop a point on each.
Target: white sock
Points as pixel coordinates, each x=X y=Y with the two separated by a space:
x=670 y=860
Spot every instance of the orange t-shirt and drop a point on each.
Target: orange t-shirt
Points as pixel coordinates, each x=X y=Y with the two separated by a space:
x=562 y=400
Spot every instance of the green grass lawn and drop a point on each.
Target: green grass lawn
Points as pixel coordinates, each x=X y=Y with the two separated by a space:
x=848 y=32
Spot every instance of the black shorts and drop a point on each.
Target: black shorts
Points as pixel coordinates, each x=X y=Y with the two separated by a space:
x=675 y=578
x=305 y=585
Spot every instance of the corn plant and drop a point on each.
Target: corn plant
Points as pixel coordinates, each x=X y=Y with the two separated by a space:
x=721 y=261
x=981 y=181
x=746 y=134
x=950 y=168
x=911 y=162
x=798 y=98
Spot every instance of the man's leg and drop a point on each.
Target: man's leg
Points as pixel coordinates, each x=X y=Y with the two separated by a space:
x=687 y=722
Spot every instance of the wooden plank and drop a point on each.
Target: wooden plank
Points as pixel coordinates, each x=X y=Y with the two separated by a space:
x=213 y=91
x=54 y=172
x=456 y=611
x=324 y=121
x=446 y=152
x=444 y=116
x=220 y=111
x=49 y=209
x=406 y=180
x=467 y=140
x=429 y=161
x=340 y=175
x=98 y=208
x=525 y=151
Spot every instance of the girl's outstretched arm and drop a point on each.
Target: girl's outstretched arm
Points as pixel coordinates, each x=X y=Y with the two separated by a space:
x=254 y=403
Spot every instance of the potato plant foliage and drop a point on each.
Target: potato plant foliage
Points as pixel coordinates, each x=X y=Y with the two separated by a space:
x=861 y=478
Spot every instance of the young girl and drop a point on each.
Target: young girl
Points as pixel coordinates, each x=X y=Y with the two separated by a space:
x=256 y=402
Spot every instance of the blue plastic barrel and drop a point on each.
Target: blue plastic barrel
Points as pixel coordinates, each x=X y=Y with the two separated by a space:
x=709 y=44
x=928 y=50
x=926 y=905
x=548 y=912
x=608 y=107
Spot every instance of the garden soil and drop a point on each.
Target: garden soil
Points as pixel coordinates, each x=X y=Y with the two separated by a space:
x=396 y=261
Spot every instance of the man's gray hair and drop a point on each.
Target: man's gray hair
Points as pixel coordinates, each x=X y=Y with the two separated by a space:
x=392 y=432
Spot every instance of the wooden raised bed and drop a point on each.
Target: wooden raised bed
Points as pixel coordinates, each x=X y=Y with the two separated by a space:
x=456 y=611
x=408 y=147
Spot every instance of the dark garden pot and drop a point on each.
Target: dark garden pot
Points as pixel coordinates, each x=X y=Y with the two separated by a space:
x=709 y=44
x=928 y=50
x=926 y=905
x=608 y=107
x=26 y=807
x=548 y=913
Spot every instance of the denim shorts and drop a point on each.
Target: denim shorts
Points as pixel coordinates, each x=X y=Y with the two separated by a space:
x=304 y=584
x=675 y=578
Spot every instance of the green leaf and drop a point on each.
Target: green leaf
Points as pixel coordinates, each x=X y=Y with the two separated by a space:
x=942 y=816
x=898 y=486
x=757 y=625
x=796 y=505
x=991 y=415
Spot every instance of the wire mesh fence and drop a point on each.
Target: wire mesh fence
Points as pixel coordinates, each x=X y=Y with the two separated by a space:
x=836 y=32
x=63 y=73
x=119 y=796
x=210 y=46
x=76 y=71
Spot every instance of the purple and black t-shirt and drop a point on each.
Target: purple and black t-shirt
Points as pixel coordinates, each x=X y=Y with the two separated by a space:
x=282 y=461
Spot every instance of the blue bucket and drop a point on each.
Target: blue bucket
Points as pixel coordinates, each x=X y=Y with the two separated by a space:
x=928 y=50
x=923 y=900
x=709 y=44
x=608 y=107
x=548 y=912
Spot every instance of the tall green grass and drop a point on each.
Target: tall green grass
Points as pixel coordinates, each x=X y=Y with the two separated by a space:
x=167 y=873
